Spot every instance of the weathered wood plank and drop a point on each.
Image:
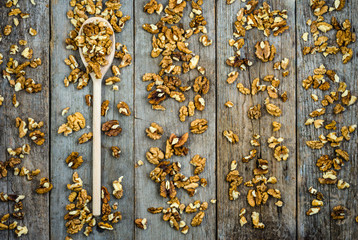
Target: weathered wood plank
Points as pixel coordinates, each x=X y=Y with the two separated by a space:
x=6 y=94
x=348 y=198
x=114 y=168
x=62 y=146
x=62 y=97
x=279 y=222
x=31 y=105
x=147 y=192
x=321 y=225
x=313 y=226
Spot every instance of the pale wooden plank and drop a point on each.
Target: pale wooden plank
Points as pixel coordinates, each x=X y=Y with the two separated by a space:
x=147 y=192
x=62 y=146
x=280 y=223
x=31 y=105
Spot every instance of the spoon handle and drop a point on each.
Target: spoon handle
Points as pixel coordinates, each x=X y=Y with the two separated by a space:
x=97 y=84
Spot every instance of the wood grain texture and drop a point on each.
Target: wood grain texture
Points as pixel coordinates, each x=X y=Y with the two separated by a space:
x=44 y=213
x=147 y=192
x=279 y=222
x=322 y=226
x=62 y=97
x=34 y=105
x=4 y=121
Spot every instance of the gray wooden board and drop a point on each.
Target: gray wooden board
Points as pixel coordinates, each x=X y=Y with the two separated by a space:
x=280 y=222
x=4 y=121
x=322 y=226
x=62 y=146
x=45 y=214
x=34 y=105
x=147 y=192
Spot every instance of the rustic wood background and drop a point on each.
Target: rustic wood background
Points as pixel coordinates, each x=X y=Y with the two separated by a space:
x=44 y=214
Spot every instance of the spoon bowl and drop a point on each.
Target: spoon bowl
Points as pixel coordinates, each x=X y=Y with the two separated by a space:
x=109 y=57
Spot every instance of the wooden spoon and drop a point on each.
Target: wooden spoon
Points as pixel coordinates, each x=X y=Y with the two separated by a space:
x=96 y=151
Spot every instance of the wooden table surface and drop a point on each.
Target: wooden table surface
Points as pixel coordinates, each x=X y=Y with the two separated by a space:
x=44 y=213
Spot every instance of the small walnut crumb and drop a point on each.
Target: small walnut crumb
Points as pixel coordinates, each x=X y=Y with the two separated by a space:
x=191 y=108
x=106 y=226
x=32 y=32
x=118 y=188
x=111 y=128
x=198 y=219
x=315 y=144
x=183 y=113
x=317 y=112
x=272 y=109
x=229 y=104
x=104 y=107
x=305 y=36
x=318 y=123
x=74 y=160
x=281 y=153
x=284 y=63
x=85 y=137
x=231 y=136
x=279 y=203
x=264 y=51
x=154 y=155
x=75 y=122
x=199 y=163
x=65 y=111
x=317 y=203
x=21 y=231
x=37 y=137
x=199 y=126
x=123 y=108
x=285 y=73
x=255 y=216
x=199 y=103
x=313 y=211
x=141 y=223
x=314 y=97
x=276 y=126
x=116 y=151
x=154 y=210
x=342 y=184
x=254 y=112
x=45 y=186
x=14 y=101
x=242 y=89
x=154 y=131
x=232 y=76
x=88 y=99
x=140 y=163
x=338 y=212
